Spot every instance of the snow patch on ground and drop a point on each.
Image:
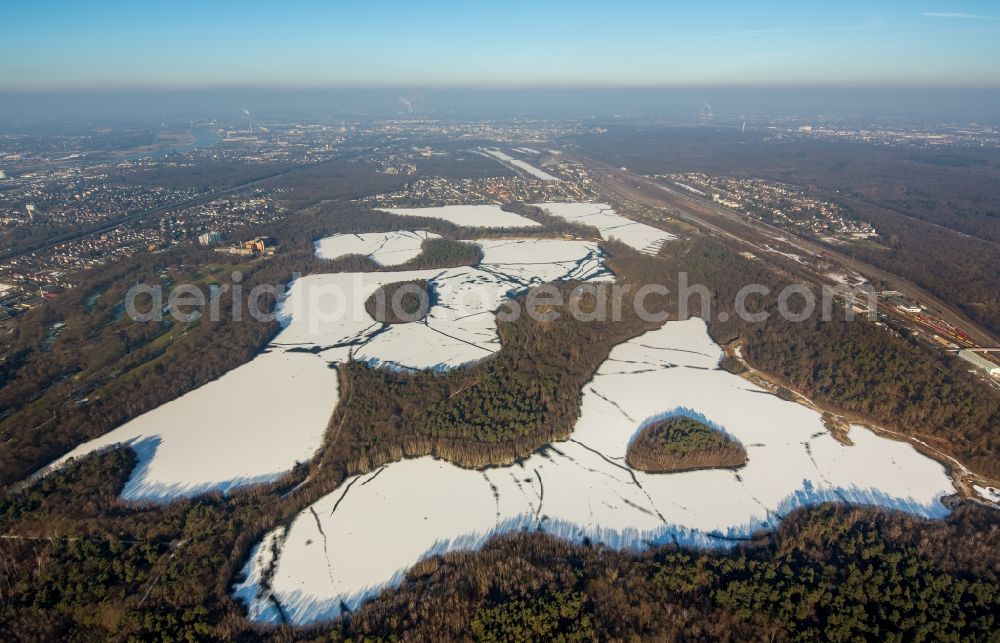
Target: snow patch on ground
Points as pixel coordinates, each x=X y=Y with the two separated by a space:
x=521 y=165
x=364 y=536
x=642 y=237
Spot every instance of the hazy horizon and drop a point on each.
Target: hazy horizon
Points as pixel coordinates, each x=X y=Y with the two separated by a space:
x=677 y=103
x=68 y=60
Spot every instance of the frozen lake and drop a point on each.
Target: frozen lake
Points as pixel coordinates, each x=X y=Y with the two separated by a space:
x=328 y=309
x=364 y=536
x=384 y=248
x=259 y=420
x=247 y=427
x=642 y=237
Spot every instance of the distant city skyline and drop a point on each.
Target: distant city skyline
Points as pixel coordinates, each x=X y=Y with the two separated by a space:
x=113 y=45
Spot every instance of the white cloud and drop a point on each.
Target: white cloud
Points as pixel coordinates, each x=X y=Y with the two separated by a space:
x=962 y=16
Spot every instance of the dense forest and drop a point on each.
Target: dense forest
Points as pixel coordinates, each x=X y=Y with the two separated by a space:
x=683 y=443
x=401 y=302
x=334 y=180
x=459 y=162
x=954 y=267
x=493 y=412
x=827 y=573
x=443 y=253
x=78 y=563
x=204 y=176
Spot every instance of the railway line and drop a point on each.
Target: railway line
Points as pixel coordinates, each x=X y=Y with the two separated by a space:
x=758 y=235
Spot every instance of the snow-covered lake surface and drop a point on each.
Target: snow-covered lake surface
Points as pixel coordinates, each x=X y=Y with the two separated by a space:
x=472 y=216
x=257 y=421
x=384 y=248
x=246 y=427
x=461 y=325
x=521 y=165
x=364 y=535
x=992 y=494
x=642 y=237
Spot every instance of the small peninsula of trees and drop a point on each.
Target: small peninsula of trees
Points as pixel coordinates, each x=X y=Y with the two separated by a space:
x=444 y=253
x=401 y=302
x=682 y=443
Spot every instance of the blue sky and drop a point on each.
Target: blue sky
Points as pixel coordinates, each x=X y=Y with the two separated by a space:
x=56 y=44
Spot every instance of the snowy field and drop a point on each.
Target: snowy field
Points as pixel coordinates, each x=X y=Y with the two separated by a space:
x=470 y=216
x=384 y=248
x=642 y=237
x=364 y=536
x=521 y=165
x=257 y=421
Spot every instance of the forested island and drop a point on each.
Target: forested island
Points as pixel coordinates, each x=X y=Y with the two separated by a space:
x=401 y=302
x=683 y=443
